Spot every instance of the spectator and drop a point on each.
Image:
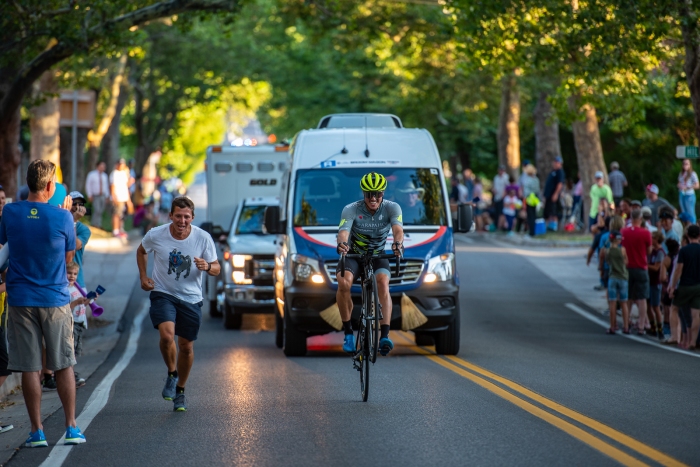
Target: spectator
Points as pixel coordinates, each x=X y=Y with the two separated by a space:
x=511 y=206
x=4 y=372
x=97 y=189
x=82 y=232
x=43 y=241
x=646 y=215
x=669 y=225
x=531 y=191
x=121 y=198
x=654 y=202
x=3 y=199
x=145 y=217
x=594 y=249
x=618 y=182
x=616 y=224
x=684 y=287
x=599 y=190
x=637 y=242
x=687 y=184
x=624 y=209
x=78 y=304
x=459 y=194
x=655 y=262
x=616 y=257
x=671 y=319
x=603 y=212
x=567 y=200
x=469 y=182
x=552 y=190
x=500 y=182
x=578 y=195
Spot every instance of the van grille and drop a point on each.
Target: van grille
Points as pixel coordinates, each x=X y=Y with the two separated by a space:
x=410 y=271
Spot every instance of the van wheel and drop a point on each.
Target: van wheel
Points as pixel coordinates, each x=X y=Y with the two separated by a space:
x=294 y=340
x=447 y=341
x=232 y=320
x=214 y=309
x=424 y=339
x=279 y=330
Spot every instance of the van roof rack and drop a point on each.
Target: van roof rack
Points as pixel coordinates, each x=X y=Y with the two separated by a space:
x=360 y=120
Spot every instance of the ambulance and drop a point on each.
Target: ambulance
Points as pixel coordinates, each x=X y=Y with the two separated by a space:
x=234 y=173
x=326 y=164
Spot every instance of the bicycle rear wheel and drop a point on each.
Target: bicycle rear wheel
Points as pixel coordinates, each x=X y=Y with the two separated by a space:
x=364 y=370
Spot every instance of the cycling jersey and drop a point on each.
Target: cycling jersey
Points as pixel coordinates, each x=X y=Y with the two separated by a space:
x=368 y=232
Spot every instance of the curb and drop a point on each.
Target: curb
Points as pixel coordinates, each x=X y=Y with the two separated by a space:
x=526 y=240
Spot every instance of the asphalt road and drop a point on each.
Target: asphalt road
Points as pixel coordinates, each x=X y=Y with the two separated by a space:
x=534 y=384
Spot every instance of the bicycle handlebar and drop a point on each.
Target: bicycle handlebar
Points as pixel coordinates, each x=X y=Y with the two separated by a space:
x=341 y=263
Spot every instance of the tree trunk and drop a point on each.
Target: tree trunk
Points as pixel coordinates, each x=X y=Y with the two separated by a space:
x=462 y=148
x=67 y=156
x=508 y=127
x=547 y=145
x=44 y=124
x=10 y=155
x=110 y=141
x=589 y=151
x=95 y=136
x=691 y=42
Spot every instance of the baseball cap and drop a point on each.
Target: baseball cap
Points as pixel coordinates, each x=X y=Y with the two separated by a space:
x=599 y=174
x=646 y=211
x=653 y=188
x=666 y=215
x=558 y=159
x=76 y=195
x=121 y=161
x=615 y=234
x=635 y=202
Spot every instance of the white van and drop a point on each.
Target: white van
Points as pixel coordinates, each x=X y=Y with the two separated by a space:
x=232 y=174
x=326 y=166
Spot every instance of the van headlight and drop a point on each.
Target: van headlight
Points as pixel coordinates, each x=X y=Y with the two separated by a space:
x=440 y=268
x=306 y=269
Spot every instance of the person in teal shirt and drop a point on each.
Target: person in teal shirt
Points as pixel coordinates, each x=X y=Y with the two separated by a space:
x=82 y=232
x=600 y=190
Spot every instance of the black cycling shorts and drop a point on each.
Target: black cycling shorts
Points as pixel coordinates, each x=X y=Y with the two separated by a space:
x=380 y=266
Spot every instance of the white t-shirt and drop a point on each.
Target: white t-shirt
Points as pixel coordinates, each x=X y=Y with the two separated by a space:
x=499 y=186
x=79 y=315
x=174 y=270
x=119 y=179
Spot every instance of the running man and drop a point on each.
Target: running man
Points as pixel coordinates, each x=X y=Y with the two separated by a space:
x=176 y=290
x=366 y=224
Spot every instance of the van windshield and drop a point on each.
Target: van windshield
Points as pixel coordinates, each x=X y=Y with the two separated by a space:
x=321 y=195
x=251 y=220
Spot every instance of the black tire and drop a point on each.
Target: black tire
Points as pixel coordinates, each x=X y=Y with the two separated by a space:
x=424 y=339
x=214 y=309
x=374 y=322
x=279 y=330
x=447 y=341
x=294 y=340
x=232 y=319
x=364 y=341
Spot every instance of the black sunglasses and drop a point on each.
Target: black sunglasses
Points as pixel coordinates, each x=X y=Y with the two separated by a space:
x=374 y=194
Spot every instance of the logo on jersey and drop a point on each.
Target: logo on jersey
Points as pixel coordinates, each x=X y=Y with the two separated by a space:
x=359 y=217
x=342 y=221
x=33 y=213
x=400 y=218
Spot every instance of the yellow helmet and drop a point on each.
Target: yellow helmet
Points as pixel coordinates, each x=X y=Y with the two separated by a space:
x=373 y=182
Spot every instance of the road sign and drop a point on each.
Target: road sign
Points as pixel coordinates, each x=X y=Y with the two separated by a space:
x=687 y=152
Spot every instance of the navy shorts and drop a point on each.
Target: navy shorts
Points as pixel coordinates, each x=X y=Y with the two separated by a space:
x=186 y=316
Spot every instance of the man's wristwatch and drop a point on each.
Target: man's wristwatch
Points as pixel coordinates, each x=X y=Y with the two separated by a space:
x=209 y=269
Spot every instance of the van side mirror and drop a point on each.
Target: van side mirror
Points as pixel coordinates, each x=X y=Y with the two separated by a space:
x=465 y=218
x=273 y=223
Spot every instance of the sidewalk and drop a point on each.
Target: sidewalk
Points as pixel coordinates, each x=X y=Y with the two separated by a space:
x=110 y=262
x=549 y=240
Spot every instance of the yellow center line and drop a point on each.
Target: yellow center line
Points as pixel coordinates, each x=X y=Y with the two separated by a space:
x=565 y=426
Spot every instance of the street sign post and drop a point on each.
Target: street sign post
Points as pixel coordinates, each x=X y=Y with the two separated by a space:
x=687 y=152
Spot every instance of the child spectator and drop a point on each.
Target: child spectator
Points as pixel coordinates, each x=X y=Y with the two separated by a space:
x=78 y=305
x=511 y=205
x=616 y=223
x=616 y=257
x=671 y=319
x=656 y=258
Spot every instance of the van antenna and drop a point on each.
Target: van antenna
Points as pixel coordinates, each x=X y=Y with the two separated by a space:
x=344 y=150
x=366 y=144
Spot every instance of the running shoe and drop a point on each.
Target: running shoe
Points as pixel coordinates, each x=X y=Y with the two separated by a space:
x=349 y=343
x=79 y=381
x=169 y=389
x=385 y=346
x=36 y=440
x=74 y=436
x=180 y=403
x=49 y=385
x=4 y=428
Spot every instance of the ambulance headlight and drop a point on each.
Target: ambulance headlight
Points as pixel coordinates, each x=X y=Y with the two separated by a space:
x=440 y=268
x=305 y=269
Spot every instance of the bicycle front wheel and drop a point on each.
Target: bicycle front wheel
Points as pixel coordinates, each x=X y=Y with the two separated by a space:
x=373 y=320
x=365 y=355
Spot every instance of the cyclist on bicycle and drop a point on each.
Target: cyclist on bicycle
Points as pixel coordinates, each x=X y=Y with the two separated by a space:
x=364 y=227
